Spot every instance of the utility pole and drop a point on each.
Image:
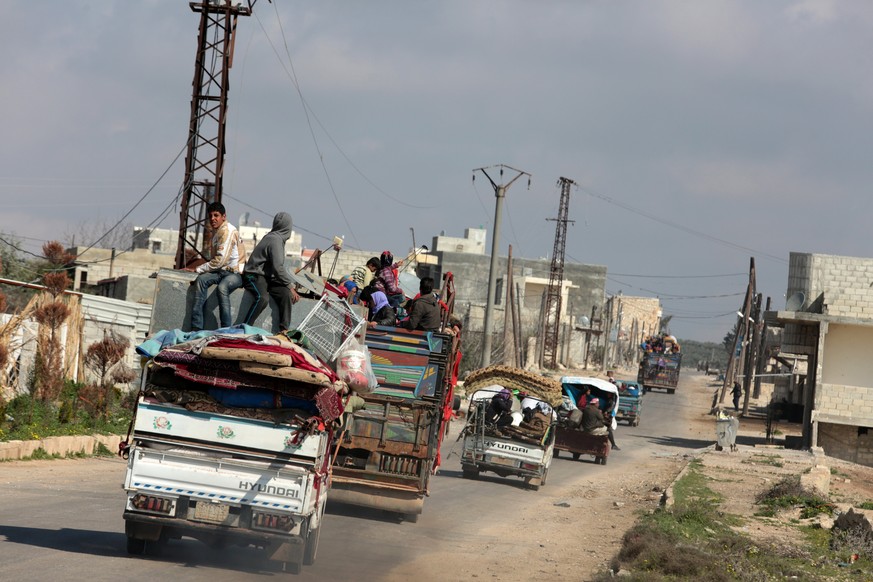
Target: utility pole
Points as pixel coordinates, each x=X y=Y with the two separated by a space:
x=552 y=313
x=735 y=360
x=510 y=358
x=204 y=162
x=499 y=194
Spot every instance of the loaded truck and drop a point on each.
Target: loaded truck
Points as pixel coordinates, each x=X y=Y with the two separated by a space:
x=659 y=370
x=231 y=438
x=228 y=456
x=523 y=448
x=388 y=450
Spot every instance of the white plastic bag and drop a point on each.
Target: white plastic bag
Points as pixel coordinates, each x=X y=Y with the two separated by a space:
x=355 y=369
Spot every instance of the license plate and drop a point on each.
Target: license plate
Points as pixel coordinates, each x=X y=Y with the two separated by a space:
x=211 y=512
x=504 y=461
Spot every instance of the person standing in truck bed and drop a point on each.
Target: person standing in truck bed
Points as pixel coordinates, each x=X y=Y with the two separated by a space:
x=265 y=274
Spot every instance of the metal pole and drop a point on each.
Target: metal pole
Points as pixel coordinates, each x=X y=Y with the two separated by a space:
x=500 y=194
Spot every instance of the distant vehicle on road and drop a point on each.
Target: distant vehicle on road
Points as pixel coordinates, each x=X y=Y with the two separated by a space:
x=660 y=370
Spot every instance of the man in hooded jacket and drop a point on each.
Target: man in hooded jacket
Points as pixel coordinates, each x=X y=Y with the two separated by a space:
x=265 y=274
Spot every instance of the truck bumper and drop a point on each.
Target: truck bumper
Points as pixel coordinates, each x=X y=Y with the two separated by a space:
x=151 y=528
x=377 y=496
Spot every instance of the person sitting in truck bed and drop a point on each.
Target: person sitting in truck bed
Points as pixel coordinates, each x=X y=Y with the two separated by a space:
x=386 y=279
x=381 y=313
x=424 y=312
x=592 y=418
x=499 y=411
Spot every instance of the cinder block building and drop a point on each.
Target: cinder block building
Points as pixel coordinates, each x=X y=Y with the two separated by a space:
x=828 y=320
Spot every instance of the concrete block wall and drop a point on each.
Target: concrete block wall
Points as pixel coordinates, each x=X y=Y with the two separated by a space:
x=846 y=442
x=845 y=282
x=855 y=402
x=800 y=338
x=471 y=278
x=62 y=445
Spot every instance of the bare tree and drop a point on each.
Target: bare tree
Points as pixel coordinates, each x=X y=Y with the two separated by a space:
x=101 y=233
x=104 y=359
x=53 y=313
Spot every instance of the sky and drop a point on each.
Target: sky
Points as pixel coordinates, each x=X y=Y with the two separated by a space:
x=700 y=135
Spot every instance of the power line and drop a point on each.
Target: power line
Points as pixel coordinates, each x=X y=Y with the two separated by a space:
x=296 y=226
x=679 y=276
x=674 y=296
x=681 y=227
x=293 y=76
x=309 y=109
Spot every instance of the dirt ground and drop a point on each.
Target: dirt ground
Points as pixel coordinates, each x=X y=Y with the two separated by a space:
x=738 y=476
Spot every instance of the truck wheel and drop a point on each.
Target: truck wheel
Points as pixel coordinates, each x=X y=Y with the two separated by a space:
x=602 y=460
x=456 y=403
x=671 y=390
x=545 y=475
x=533 y=483
x=557 y=453
x=135 y=547
x=576 y=456
x=411 y=517
x=311 y=548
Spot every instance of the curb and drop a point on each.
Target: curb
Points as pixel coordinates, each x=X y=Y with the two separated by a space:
x=668 y=499
x=59 y=445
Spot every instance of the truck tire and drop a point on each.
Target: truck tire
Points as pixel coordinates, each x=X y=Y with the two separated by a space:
x=469 y=472
x=636 y=421
x=557 y=453
x=135 y=547
x=311 y=549
x=671 y=390
x=533 y=483
x=602 y=460
x=456 y=403
x=545 y=476
x=576 y=456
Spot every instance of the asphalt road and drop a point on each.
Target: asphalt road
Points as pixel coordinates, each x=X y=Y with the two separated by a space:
x=62 y=519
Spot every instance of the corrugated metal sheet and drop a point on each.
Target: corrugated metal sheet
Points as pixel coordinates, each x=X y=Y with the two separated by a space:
x=104 y=311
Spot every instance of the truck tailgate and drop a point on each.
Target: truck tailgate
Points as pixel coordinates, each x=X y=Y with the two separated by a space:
x=232 y=481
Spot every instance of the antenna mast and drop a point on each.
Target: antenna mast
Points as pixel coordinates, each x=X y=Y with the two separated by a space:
x=552 y=315
x=204 y=162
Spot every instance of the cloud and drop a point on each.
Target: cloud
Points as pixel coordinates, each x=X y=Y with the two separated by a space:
x=815 y=11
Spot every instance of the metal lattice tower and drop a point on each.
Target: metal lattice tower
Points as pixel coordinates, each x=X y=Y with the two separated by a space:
x=552 y=315
x=204 y=162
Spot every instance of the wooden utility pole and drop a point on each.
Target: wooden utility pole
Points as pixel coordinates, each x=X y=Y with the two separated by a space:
x=752 y=345
x=734 y=362
x=604 y=360
x=761 y=351
x=510 y=358
x=516 y=318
